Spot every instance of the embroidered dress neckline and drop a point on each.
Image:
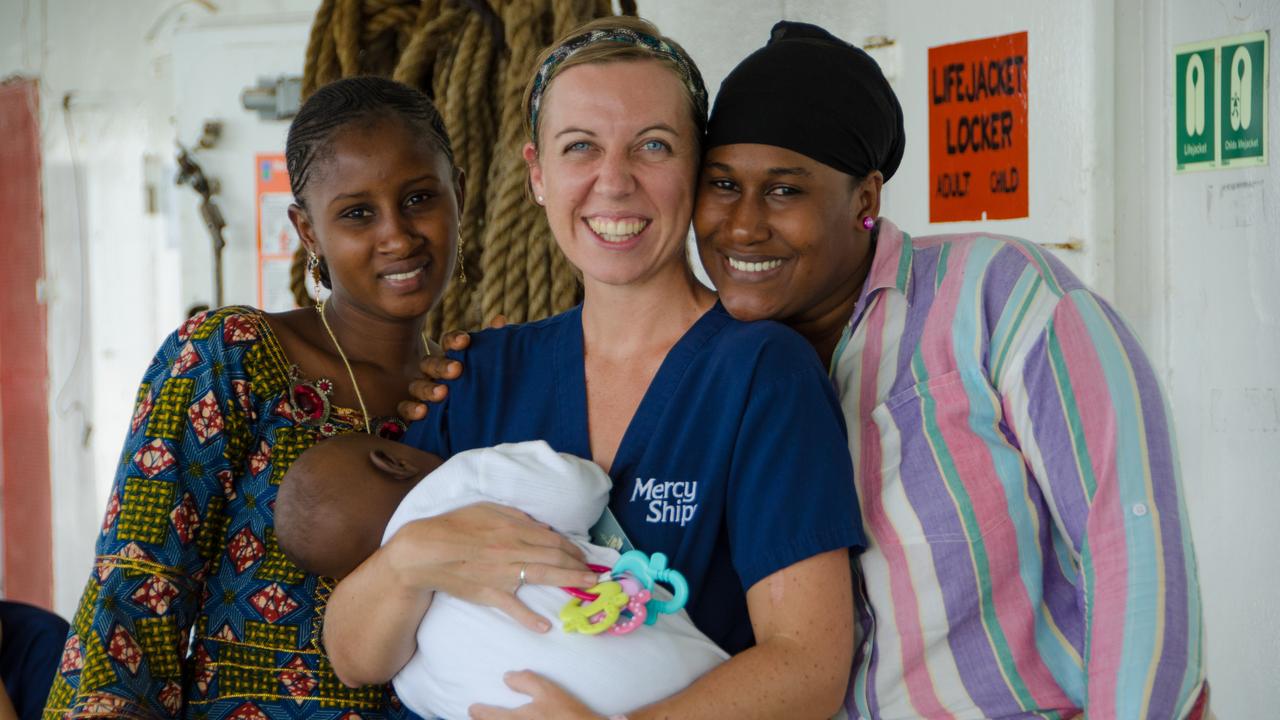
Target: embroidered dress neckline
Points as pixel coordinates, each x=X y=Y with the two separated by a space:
x=317 y=410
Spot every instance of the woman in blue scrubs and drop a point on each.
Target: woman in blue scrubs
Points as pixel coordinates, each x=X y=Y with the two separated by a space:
x=788 y=227
x=723 y=439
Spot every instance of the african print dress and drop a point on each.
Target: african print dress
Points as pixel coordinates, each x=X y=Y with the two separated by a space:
x=192 y=609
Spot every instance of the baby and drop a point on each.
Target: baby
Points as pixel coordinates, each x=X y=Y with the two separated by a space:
x=464 y=649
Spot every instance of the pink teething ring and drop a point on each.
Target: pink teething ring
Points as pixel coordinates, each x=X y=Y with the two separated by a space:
x=637 y=611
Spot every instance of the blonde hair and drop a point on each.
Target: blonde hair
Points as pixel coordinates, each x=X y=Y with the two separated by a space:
x=615 y=49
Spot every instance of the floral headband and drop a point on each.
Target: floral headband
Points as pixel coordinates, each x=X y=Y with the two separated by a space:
x=689 y=74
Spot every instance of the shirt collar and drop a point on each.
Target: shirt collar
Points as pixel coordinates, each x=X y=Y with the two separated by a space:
x=891 y=267
x=890 y=270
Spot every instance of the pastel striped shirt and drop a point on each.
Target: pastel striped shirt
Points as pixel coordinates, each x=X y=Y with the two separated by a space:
x=1028 y=547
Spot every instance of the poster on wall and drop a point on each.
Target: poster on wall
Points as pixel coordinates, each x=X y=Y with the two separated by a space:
x=978 y=130
x=277 y=239
x=1220 y=103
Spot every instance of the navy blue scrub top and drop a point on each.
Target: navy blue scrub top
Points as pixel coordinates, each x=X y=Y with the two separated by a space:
x=735 y=465
x=30 y=650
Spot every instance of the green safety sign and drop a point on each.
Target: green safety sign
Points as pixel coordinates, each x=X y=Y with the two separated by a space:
x=1244 y=102
x=1220 y=103
x=1194 y=110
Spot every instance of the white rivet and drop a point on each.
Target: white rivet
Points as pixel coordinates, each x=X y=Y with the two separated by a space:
x=1139 y=509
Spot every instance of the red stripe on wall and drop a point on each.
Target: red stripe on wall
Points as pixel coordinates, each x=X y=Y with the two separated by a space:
x=24 y=369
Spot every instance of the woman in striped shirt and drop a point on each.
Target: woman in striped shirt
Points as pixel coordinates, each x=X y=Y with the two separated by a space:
x=1029 y=552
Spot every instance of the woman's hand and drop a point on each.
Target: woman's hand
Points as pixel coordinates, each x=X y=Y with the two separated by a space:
x=548 y=700
x=434 y=369
x=478 y=553
x=475 y=553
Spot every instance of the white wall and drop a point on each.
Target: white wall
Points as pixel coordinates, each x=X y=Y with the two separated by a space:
x=245 y=50
x=114 y=281
x=1070 y=182
x=102 y=103
x=1069 y=72
x=1196 y=263
x=718 y=37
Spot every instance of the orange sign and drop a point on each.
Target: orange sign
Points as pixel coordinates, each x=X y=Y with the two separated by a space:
x=276 y=237
x=978 y=130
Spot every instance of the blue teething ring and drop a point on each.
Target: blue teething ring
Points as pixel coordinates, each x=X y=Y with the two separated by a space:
x=648 y=570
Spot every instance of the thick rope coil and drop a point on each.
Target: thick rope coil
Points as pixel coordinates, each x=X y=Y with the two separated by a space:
x=469 y=132
x=316 y=44
x=346 y=36
x=502 y=217
x=561 y=12
x=384 y=16
x=417 y=63
x=473 y=57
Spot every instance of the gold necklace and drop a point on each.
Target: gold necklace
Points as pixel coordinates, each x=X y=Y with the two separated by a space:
x=364 y=412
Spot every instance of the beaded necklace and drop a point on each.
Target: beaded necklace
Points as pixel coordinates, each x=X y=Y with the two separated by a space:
x=311 y=399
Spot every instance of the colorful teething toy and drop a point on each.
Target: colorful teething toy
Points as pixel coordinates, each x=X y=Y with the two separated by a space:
x=598 y=615
x=624 y=603
x=634 y=614
x=649 y=570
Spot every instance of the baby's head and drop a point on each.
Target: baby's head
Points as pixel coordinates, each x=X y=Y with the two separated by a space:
x=337 y=497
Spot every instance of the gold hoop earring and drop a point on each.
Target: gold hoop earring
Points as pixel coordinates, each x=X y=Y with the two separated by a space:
x=313 y=269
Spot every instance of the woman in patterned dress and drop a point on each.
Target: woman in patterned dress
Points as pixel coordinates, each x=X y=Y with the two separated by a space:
x=191 y=608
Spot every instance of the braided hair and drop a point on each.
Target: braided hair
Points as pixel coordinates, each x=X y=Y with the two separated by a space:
x=349 y=100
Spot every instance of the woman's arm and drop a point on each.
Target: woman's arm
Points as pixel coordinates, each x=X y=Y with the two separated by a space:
x=189 y=429
x=1092 y=422
x=802 y=616
x=475 y=553
x=799 y=668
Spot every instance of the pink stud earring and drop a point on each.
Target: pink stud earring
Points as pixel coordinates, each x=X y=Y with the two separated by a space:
x=868 y=222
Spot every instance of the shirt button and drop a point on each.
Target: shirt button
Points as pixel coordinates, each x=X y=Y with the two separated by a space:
x=1139 y=509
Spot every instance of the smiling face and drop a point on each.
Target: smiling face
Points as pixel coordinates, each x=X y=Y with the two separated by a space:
x=780 y=234
x=382 y=211
x=615 y=166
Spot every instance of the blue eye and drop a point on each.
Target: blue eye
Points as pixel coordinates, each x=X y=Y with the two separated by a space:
x=578 y=146
x=655 y=145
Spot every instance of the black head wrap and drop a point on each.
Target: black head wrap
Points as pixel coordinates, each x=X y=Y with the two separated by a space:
x=809 y=91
